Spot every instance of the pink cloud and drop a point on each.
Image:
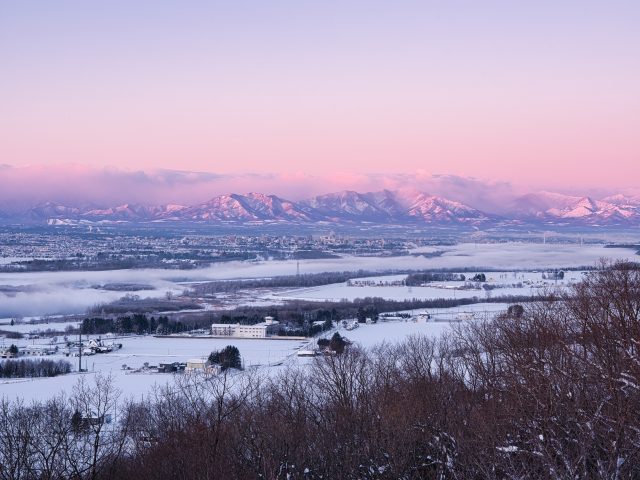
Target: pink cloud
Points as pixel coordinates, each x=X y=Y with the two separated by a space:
x=75 y=184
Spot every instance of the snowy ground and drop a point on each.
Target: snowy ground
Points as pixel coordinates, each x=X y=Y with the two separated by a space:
x=340 y=291
x=442 y=320
x=138 y=350
x=266 y=355
x=25 y=327
x=368 y=336
x=532 y=284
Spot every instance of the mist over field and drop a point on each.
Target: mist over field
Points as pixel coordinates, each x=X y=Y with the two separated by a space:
x=49 y=293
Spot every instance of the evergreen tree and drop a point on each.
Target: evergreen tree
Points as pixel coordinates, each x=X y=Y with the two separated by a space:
x=228 y=357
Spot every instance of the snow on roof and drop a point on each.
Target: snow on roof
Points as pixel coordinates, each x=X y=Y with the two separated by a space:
x=196 y=360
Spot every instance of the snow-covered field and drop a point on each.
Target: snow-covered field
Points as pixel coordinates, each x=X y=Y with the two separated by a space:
x=72 y=292
x=266 y=355
x=49 y=293
x=135 y=352
x=442 y=320
x=369 y=336
x=26 y=327
x=339 y=291
x=528 y=283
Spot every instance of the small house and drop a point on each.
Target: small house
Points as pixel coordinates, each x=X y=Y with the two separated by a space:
x=168 y=367
x=200 y=365
x=422 y=317
x=7 y=352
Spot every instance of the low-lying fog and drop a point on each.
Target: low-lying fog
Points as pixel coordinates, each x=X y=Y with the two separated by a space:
x=50 y=293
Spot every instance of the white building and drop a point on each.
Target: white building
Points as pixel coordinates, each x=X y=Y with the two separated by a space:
x=259 y=330
x=223 y=329
x=422 y=317
x=39 y=350
x=196 y=365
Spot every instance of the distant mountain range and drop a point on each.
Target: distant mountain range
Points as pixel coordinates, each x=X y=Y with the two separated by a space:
x=349 y=207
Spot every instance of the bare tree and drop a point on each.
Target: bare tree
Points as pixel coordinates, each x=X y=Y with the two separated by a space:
x=96 y=438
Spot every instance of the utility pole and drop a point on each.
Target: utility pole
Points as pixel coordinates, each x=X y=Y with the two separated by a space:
x=80 y=348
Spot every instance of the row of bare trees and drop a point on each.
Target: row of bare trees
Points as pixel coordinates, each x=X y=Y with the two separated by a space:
x=549 y=392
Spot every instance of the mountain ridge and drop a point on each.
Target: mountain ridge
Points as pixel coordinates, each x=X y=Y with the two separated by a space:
x=349 y=206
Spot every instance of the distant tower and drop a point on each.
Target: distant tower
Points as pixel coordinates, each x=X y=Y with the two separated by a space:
x=298 y=268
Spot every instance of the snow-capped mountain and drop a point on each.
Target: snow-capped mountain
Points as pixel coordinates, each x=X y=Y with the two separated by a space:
x=52 y=210
x=593 y=211
x=393 y=207
x=395 y=204
x=534 y=205
x=124 y=212
x=349 y=207
x=554 y=208
x=440 y=210
x=623 y=200
x=250 y=207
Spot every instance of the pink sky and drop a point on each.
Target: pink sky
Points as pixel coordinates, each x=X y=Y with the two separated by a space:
x=539 y=95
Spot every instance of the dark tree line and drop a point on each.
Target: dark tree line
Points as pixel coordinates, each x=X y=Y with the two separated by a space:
x=297 y=312
x=417 y=279
x=31 y=368
x=304 y=280
x=299 y=316
x=11 y=334
x=137 y=323
x=318 y=279
x=129 y=259
x=134 y=304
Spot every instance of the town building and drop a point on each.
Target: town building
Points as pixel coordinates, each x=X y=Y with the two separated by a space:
x=39 y=350
x=259 y=330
